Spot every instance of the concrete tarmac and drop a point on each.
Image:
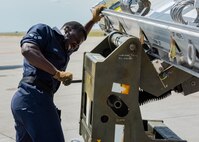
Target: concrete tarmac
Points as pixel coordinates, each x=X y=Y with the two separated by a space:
x=180 y=113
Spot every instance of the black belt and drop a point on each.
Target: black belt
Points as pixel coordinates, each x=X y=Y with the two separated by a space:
x=37 y=82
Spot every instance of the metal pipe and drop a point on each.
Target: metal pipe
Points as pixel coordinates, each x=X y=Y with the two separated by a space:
x=117 y=38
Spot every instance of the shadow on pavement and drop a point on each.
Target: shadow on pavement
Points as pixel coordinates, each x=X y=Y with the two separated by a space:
x=10 y=67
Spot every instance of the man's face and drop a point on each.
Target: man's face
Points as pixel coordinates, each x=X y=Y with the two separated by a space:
x=73 y=40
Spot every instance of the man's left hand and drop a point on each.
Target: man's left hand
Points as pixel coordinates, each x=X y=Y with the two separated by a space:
x=97 y=13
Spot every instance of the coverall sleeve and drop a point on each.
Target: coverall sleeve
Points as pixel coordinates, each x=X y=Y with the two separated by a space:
x=37 y=35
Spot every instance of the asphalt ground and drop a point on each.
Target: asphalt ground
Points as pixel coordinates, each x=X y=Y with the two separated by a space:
x=180 y=113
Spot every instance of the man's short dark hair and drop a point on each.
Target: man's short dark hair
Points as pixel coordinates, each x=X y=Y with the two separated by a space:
x=74 y=25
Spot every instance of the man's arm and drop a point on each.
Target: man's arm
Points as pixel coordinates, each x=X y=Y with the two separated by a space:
x=33 y=54
x=89 y=26
x=96 y=17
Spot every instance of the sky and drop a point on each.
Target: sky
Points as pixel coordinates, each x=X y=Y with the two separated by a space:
x=20 y=15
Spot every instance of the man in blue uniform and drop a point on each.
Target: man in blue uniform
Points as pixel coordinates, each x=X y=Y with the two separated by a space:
x=46 y=54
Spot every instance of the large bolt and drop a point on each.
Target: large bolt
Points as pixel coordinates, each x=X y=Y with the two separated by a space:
x=193 y=83
x=133 y=48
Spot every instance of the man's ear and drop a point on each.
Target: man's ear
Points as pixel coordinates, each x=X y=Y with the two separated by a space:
x=67 y=29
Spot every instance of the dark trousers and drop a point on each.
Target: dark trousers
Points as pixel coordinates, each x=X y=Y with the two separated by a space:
x=36 y=117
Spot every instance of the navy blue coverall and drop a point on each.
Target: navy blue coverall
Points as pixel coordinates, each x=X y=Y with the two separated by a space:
x=35 y=114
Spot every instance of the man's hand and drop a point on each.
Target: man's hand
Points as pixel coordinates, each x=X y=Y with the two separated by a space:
x=97 y=13
x=64 y=77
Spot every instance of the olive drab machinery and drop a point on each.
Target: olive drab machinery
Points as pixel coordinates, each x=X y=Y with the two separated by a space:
x=148 y=52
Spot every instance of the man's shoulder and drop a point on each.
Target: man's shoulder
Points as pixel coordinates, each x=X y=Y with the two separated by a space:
x=40 y=27
x=38 y=34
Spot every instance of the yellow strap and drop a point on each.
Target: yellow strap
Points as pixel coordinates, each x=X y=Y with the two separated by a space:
x=172 y=52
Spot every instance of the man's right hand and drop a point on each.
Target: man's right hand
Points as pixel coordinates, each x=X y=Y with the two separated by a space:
x=64 y=77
